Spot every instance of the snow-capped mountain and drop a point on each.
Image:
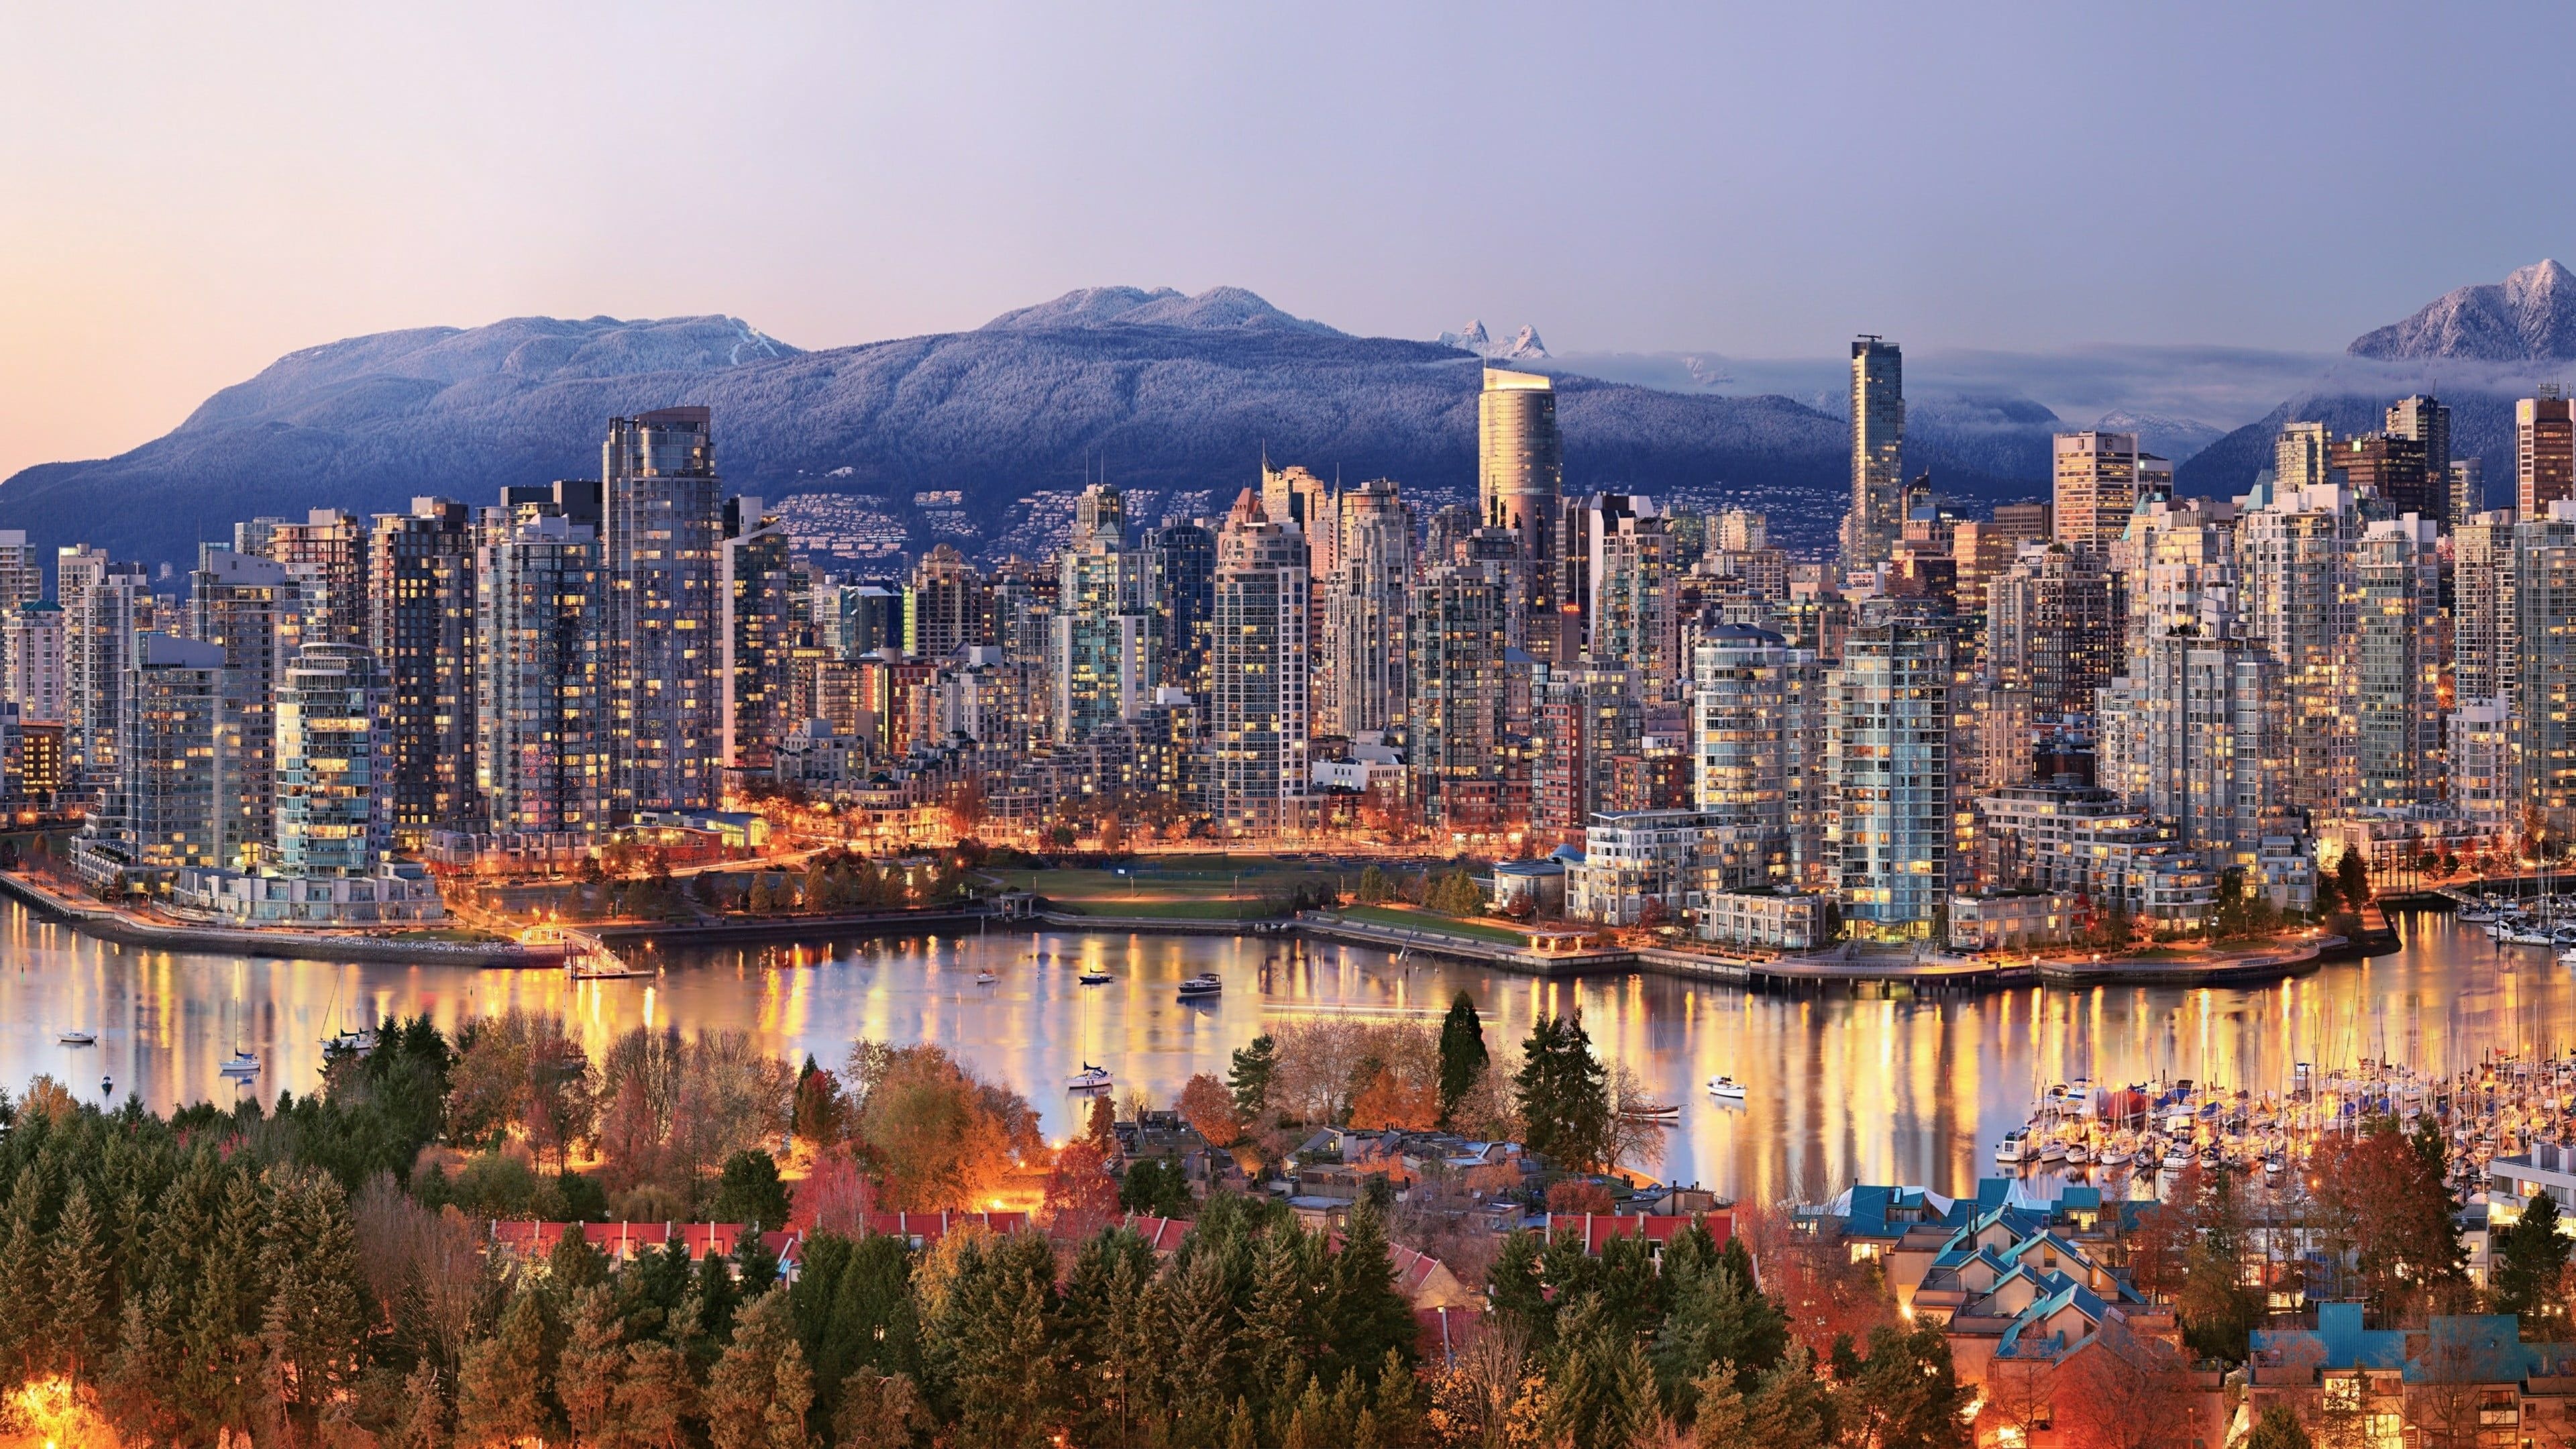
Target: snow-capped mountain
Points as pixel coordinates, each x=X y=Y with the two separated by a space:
x=2529 y=317
x=1525 y=345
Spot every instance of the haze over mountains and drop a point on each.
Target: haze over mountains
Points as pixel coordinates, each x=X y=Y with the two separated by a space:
x=1183 y=394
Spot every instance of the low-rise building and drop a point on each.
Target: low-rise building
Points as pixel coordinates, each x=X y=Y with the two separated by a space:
x=398 y=893
x=1634 y=859
x=2012 y=920
x=1779 y=919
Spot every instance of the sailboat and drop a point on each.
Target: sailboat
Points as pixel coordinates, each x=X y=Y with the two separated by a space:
x=243 y=1064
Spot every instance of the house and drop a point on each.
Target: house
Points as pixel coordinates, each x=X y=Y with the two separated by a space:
x=1595 y=1230
x=530 y=1244
x=2457 y=1371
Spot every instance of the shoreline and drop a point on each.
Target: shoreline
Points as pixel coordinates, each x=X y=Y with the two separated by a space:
x=1843 y=966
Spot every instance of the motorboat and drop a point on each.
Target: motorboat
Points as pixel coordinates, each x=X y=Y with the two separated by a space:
x=349 y=1043
x=1089 y=1079
x=2052 y=1151
x=2077 y=1154
x=2524 y=936
x=2009 y=1151
x=1726 y=1089
x=241 y=1066
x=1651 y=1112
x=1206 y=983
x=1095 y=977
x=2177 y=1157
x=107 y=1086
x=986 y=978
x=78 y=1038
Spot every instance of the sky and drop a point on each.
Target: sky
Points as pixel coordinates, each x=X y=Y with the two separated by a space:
x=187 y=193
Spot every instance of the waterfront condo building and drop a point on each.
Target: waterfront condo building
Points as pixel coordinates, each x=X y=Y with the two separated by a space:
x=1257 y=719
x=1757 y=744
x=248 y=607
x=331 y=819
x=2543 y=706
x=31 y=632
x=160 y=810
x=1890 y=742
x=658 y=506
x=1877 y=513
x=420 y=626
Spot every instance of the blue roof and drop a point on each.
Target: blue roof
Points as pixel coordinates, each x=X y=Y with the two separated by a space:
x=2489 y=1345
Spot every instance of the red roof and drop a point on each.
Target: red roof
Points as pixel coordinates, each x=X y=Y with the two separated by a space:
x=624 y=1241
x=928 y=1228
x=1447 y=1332
x=1598 y=1228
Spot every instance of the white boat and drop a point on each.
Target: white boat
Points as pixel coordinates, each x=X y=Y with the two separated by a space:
x=1089 y=1079
x=344 y=1042
x=2113 y=1156
x=2177 y=1157
x=2077 y=1154
x=1726 y=1089
x=2525 y=936
x=986 y=978
x=107 y=1086
x=78 y=1038
x=2052 y=1151
x=2009 y=1151
x=1651 y=1112
x=1095 y=977
x=1206 y=983
x=243 y=1066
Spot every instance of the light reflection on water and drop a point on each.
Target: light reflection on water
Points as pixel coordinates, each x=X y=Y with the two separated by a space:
x=1882 y=1089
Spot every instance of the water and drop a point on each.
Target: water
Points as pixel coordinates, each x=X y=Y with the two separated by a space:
x=1840 y=1087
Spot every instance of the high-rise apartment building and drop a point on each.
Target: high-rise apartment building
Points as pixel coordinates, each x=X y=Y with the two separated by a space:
x=1877 y=513
x=1258 y=721
x=2298 y=599
x=31 y=644
x=22 y=569
x=2397 y=648
x=945 y=606
x=2482 y=607
x=2302 y=458
x=1584 y=721
x=420 y=627
x=1520 y=463
x=2426 y=421
x=658 y=503
x=2544 y=451
x=757 y=587
x=2543 y=704
x=1101 y=652
x=540 y=750
x=1180 y=572
x=2468 y=489
x=160 y=806
x=2099 y=479
x=104 y=605
x=326 y=555
x=2054 y=624
x=331 y=801
x=1636 y=603
x=1758 y=753
x=1459 y=713
x=1890 y=748
x=1362 y=686
x=248 y=607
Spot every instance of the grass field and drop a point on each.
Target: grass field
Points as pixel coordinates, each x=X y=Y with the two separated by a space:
x=1431 y=921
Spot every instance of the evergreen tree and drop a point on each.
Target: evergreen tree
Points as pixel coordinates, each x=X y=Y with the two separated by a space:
x=1718 y=1316
x=1905 y=1394
x=313 y=1323
x=79 y=1286
x=1108 y=1332
x=879 y=1411
x=996 y=1342
x=1250 y=1078
x=2279 y=1428
x=760 y=1389
x=586 y=1373
x=1462 y=1052
x=501 y=1393
x=1280 y=1336
x=2352 y=881
x=748 y=1191
x=1516 y=1291
x=1364 y=1318
x=574 y=1264
x=1564 y=1094
x=2528 y=1257
x=421 y=1422
x=26 y=1310
x=655 y=1396
x=1199 y=1312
